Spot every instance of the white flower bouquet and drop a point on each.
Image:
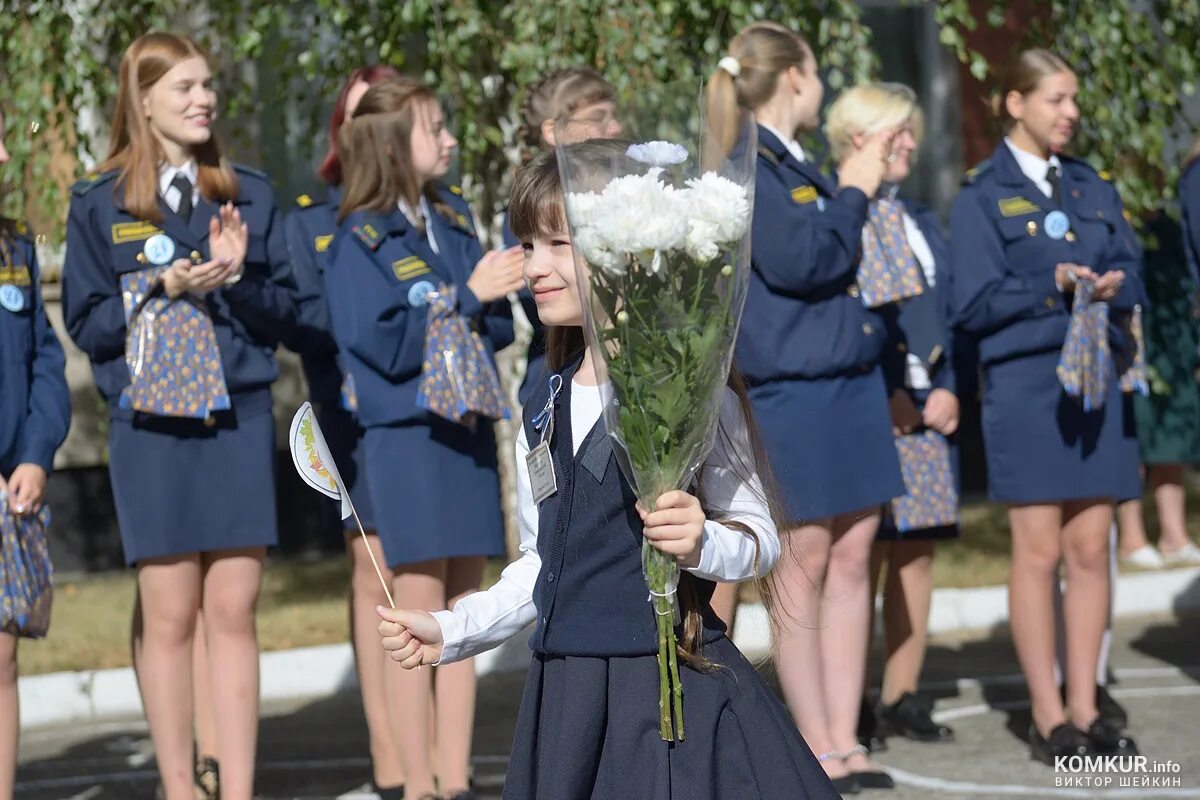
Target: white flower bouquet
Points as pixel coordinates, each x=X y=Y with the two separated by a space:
x=662 y=253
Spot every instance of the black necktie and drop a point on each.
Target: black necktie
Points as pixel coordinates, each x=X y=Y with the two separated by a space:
x=184 y=186
x=1055 y=188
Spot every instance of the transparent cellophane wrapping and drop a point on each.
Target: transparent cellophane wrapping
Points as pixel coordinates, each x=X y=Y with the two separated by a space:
x=662 y=252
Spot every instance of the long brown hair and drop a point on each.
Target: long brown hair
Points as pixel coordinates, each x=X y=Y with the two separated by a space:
x=135 y=151
x=762 y=50
x=1022 y=75
x=536 y=208
x=374 y=147
x=330 y=170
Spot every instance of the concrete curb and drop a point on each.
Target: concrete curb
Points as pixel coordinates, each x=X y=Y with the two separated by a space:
x=93 y=696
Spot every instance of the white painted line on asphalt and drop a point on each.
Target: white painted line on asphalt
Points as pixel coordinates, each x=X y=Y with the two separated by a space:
x=1016 y=790
x=974 y=709
x=88 y=794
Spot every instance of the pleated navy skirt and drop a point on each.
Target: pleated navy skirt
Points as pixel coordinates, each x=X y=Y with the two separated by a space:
x=830 y=443
x=182 y=486
x=435 y=491
x=346 y=443
x=1041 y=446
x=588 y=730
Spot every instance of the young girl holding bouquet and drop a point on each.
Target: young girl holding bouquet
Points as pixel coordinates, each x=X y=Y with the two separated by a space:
x=589 y=719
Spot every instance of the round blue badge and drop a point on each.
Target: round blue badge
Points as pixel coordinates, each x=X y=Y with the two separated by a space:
x=12 y=298
x=417 y=295
x=1056 y=224
x=159 y=249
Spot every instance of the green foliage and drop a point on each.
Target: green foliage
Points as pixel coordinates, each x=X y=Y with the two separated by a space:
x=479 y=54
x=1136 y=61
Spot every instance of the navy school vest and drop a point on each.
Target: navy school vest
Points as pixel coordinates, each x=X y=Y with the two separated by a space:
x=590 y=595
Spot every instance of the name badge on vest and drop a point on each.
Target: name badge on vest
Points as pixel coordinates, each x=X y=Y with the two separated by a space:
x=542 y=481
x=1056 y=224
x=12 y=298
x=159 y=249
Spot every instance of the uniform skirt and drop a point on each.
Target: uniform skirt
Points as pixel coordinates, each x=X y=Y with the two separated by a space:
x=435 y=490
x=184 y=486
x=830 y=443
x=1130 y=453
x=887 y=526
x=346 y=443
x=588 y=729
x=1041 y=446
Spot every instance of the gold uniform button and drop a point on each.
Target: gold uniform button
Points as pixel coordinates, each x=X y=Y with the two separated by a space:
x=1050 y=303
x=196 y=256
x=1070 y=236
x=853 y=291
x=902 y=347
x=141 y=258
x=1031 y=228
x=210 y=422
x=867 y=329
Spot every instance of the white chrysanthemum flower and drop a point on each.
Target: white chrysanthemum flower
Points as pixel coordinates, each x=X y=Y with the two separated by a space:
x=637 y=213
x=658 y=154
x=720 y=202
x=701 y=240
x=596 y=254
x=581 y=206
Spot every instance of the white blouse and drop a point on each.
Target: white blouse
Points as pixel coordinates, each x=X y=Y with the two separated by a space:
x=484 y=620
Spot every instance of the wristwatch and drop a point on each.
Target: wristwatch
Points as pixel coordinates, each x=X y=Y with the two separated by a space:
x=235 y=277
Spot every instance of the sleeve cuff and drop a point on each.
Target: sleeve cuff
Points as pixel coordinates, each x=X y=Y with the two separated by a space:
x=855 y=200
x=468 y=303
x=452 y=636
x=38 y=453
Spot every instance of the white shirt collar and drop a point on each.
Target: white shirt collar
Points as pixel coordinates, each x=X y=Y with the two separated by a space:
x=791 y=144
x=421 y=217
x=1035 y=167
x=167 y=173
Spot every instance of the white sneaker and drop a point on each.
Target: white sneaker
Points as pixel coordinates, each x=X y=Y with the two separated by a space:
x=1145 y=557
x=1188 y=555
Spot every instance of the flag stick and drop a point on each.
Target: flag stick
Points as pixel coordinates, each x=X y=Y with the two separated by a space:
x=370 y=553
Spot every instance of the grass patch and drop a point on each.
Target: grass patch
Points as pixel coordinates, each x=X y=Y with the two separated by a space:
x=304 y=603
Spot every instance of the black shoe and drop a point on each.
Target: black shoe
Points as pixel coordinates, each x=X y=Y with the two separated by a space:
x=869 y=734
x=911 y=717
x=869 y=778
x=1110 y=710
x=1065 y=740
x=1108 y=740
x=466 y=794
x=390 y=792
x=847 y=784
x=208 y=777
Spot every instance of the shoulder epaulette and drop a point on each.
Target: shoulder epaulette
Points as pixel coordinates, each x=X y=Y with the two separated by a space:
x=455 y=189
x=307 y=201
x=769 y=154
x=1105 y=175
x=982 y=168
x=91 y=181
x=242 y=168
x=16 y=227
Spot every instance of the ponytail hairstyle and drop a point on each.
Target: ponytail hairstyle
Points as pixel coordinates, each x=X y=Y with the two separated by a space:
x=757 y=55
x=556 y=96
x=1023 y=75
x=374 y=149
x=135 y=151
x=536 y=209
x=330 y=170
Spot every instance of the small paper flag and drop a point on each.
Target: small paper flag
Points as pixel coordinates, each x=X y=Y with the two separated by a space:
x=313 y=461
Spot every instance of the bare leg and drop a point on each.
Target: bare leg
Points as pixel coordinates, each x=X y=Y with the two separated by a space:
x=1036 y=552
x=231 y=583
x=421 y=585
x=169 y=591
x=906 y=600
x=454 y=690
x=206 y=723
x=725 y=603
x=373 y=663
x=9 y=715
x=1167 y=480
x=1085 y=550
x=845 y=614
x=797 y=583
x=1131 y=526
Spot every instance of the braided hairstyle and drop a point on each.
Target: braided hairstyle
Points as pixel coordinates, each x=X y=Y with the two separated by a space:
x=557 y=95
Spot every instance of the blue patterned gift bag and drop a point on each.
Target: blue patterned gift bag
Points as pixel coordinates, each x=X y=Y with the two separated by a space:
x=458 y=379
x=1084 y=364
x=1132 y=369
x=930 y=493
x=171 y=350
x=26 y=576
x=888 y=270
